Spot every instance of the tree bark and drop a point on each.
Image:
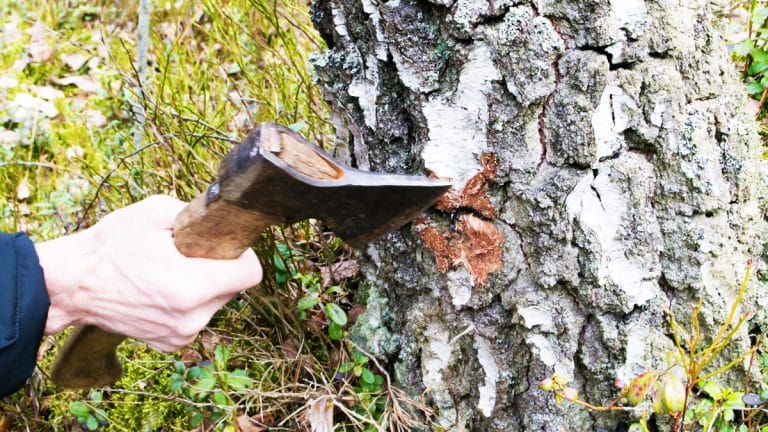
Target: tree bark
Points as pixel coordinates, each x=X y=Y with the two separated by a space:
x=603 y=166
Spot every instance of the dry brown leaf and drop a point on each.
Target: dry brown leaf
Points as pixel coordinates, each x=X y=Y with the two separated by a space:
x=290 y=349
x=320 y=414
x=74 y=61
x=209 y=340
x=257 y=423
x=83 y=82
x=5 y=423
x=191 y=356
x=337 y=272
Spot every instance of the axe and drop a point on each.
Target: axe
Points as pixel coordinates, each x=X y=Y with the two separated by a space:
x=274 y=176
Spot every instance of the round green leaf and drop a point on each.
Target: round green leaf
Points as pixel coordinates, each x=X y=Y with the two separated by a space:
x=368 y=376
x=79 y=409
x=92 y=423
x=336 y=314
x=335 y=331
x=307 y=302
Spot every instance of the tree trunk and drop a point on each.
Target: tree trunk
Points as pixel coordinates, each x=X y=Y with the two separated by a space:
x=603 y=169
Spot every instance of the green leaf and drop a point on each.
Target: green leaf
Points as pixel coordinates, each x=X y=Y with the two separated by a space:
x=368 y=376
x=239 y=380
x=379 y=380
x=758 y=55
x=179 y=367
x=220 y=398
x=712 y=388
x=197 y=418
x=91 y=423
x=79 y=410
x=207 y=380
x=346 y=366
x=96 y=397
x=757 y=68
x=176 y=383
x=307 y=302
x=221 y=357
x=335 y=331
x=754 y=88
x=336 y=313
x=758 y=16
x=357 y=370
x=743 y=428
x=744 y=47
x=334 y=290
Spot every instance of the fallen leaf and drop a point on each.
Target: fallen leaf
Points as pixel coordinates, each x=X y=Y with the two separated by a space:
x=209 y=340
x=27 y=101
x=320 y=414
x=74 y=152
x=257 y=423
x=74 y=61
x=39 y=49
x=95 y=118
x=290 y=349
x=9 y=138
x=47 y=92
x=337 y=272
x=8 y=81
x=22 y=190
x=191 y=356
x=83 y=82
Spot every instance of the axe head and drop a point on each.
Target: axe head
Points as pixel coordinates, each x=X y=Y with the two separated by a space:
x=277 y=172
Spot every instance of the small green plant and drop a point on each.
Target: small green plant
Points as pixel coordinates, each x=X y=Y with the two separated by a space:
x=316 y=299
x=752 y=52
x=89 y=414
x=685 y=390
x=210 y=386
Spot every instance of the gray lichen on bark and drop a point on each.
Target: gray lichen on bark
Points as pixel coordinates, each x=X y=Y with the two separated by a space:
x=603 y=166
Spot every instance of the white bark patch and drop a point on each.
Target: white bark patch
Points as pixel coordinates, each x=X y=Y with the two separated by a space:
x=487 y=391
x=339 y=22
x=609 y=120
x=534 y=316
x=437 y=356
x=629 y=14
x=635 y=353
x=371 y=7
x=599 y=206
x=458 y=122
x=366 y=89
x=460 y=286
x=541 y=346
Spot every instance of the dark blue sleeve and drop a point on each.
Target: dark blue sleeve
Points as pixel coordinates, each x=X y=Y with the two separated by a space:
x=23 y=310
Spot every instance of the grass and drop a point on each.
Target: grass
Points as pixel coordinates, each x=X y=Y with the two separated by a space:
x=68 y=98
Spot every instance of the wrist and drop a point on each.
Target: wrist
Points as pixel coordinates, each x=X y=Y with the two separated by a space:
x=64 y=261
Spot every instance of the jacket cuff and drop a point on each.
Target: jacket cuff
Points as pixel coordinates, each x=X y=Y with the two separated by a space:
x=24 y=306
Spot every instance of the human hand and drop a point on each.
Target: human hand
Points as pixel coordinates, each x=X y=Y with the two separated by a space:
x=126 y=276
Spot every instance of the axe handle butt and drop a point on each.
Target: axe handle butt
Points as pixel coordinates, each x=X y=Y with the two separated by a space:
x=203 y=229
x=218 y=229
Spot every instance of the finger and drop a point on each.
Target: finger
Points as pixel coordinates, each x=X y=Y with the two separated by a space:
x=159 y=211
x=231 y=276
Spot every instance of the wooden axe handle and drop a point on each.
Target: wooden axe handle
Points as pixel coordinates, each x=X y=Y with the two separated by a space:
x=216 y=230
